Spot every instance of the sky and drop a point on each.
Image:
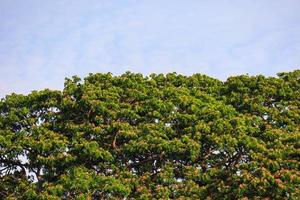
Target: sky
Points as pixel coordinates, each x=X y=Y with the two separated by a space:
x=44 y=41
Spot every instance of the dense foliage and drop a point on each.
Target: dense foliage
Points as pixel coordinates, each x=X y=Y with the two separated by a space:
x=153 y=137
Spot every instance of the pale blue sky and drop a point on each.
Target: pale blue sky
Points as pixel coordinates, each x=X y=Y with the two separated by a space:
x=44 y=41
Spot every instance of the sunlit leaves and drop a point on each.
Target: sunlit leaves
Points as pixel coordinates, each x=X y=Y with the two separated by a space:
x=153 y=137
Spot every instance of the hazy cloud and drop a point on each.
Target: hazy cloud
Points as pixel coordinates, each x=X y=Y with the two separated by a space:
x=42 y=42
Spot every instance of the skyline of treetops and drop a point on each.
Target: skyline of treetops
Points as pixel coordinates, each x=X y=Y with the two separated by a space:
x=162 y=136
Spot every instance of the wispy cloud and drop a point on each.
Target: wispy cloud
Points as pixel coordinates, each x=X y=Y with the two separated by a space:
x=42 y=42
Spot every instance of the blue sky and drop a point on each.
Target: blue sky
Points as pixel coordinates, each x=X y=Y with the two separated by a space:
x=44 y=41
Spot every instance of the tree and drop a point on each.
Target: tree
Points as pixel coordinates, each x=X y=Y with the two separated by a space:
x=149 y=137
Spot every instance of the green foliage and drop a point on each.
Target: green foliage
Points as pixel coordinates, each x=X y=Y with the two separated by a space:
x=158 y=137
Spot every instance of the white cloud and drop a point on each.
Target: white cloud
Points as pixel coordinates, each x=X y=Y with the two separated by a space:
x=41 y=42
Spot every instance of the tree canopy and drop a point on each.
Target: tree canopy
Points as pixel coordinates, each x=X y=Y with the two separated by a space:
x=153 y=137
